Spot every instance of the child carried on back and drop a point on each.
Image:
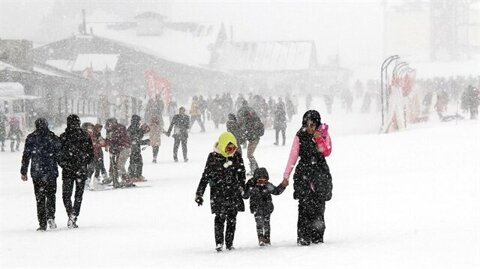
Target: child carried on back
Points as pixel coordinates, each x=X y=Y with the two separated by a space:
x=260 y=191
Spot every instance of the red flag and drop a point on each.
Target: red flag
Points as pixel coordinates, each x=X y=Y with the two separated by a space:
x=157 y=85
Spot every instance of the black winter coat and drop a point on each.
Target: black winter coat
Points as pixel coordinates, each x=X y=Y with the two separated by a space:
x=76 y=150
x=250 y=123
x=135 y=133
x=226 y=177
x=261 y=196
x=41 y=147
x=181 y=122
x=312 y=178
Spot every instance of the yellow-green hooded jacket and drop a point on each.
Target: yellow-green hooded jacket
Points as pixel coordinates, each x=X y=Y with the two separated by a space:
x=225 y=139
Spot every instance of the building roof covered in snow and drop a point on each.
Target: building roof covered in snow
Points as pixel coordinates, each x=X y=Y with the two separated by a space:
x=98 y=62
x=267 y=56
x=65 y=65
x=181 y=42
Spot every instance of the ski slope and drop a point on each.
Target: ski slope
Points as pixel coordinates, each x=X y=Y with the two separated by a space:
x=405 y=200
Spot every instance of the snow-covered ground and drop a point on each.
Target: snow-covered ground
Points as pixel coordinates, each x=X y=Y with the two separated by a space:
x=405 y=200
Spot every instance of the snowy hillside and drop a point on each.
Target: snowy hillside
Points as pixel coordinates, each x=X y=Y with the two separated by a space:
x=405 y=200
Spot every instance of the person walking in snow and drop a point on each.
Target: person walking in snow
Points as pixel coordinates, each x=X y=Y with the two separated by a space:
x=260 y=191
x=280 y=123
x=76 y=153
x=120 y=149
x=234 y=128
x=41 y=147
x=253 y=129
x=15 y=134
x=312 y=179
x=156 y=130
x=180 y=125
x=136 y=133
x=196 y=114
x=225 y=173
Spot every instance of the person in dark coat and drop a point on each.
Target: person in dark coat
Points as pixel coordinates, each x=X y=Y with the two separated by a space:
x=253 y=129
x=41 y=147
x=3 y=130
x=120 y=149
x=312 y=179
x=234 y=128
x=76 y=153
x=260 y=191
x=180 y=125
x=280 y=123
x=136 y=133
x=225 y=173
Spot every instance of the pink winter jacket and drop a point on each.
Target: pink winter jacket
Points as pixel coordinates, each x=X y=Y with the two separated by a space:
x=324 y=144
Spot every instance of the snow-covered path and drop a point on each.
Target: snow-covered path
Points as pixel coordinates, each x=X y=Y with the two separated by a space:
x=404 y=200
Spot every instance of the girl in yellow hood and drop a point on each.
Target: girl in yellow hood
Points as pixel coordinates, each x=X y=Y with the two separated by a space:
x=226 y=145
x=225 y=173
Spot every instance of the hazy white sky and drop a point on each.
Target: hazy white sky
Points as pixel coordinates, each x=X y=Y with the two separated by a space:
x=352 y=29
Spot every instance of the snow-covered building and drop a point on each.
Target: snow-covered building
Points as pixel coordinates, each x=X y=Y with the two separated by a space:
x=57 y=92
x=270 y=65
x=179 y=53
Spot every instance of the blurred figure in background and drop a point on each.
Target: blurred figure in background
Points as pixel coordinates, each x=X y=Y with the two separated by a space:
x=156 y=130
x=180 y=125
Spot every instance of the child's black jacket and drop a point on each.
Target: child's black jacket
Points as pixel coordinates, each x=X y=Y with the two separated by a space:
x=261 y=196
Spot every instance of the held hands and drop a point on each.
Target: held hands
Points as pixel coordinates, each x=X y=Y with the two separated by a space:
x=285 y=182
x=24 y=177
x=199 y=200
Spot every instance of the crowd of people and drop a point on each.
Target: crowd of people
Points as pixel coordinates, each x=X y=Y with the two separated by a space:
x=79 y=151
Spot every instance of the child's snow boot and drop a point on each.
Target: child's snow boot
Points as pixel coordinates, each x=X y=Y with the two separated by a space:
x=51 y=224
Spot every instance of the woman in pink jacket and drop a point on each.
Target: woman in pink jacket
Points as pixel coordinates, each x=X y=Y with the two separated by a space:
x=312 y=179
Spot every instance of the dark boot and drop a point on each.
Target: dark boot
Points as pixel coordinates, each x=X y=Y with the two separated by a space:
x=261 y=241
x=267 y=241
x=302 y=242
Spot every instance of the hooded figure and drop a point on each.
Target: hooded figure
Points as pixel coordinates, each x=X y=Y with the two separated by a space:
x=225 y=173
x=76 y=153
x=260 y=191
x=41 y=147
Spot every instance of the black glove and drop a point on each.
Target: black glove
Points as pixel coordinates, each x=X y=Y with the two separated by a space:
x=199 y=200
